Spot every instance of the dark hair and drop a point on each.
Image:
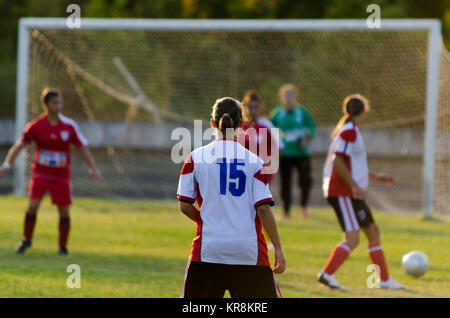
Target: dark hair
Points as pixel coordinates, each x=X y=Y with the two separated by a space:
x=47 y=94
x=250 y=96
x=353 y=105
x=227 y=113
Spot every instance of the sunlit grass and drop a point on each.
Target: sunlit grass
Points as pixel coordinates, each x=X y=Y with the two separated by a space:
x=138 y=248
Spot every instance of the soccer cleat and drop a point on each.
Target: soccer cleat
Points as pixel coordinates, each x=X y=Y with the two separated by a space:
x=328 y=280
x=391 y=284
x=22 y=246
x=63 y=251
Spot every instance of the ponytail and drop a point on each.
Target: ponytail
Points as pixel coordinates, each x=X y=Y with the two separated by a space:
x=225 y=122
x=339 y=125
x=353 y=105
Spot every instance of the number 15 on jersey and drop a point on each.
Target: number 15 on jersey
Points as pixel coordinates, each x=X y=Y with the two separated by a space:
x=231 y=177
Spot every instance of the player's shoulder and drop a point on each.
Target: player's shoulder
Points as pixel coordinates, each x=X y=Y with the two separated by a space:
x=37 y=121
x=262 y=121
x=253 y=160
x=197 y=154
x=349 y=132
x=67 y=120
x=277 y=111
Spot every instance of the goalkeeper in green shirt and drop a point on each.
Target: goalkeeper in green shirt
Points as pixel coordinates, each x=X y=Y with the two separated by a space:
x=297 y=128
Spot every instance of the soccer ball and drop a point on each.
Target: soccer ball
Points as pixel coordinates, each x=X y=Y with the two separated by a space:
x=415 y=263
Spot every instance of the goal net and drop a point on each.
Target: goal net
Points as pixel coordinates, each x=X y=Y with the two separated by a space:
x=129 y=83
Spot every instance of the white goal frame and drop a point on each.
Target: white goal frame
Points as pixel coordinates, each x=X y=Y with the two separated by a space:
x=432 y=26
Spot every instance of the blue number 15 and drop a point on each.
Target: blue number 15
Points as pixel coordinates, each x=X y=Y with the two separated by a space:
x=237 y=187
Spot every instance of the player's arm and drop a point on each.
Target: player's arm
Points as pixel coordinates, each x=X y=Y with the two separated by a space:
x=13 y=152
x=382 y=177
x=87 y=157
x=342 y=170
x=269 y=223
x=190 y=211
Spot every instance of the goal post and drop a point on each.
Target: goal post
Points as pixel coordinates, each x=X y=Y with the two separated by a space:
x=432 y=96
x=431 y=84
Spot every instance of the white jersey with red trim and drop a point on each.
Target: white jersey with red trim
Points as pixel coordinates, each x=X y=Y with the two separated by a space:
x=349 y=143
x=227 y=182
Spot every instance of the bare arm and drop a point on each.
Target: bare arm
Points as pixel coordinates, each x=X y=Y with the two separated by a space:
x=190 y=211
x=382 y=177
x=87 y=157
x=11 y=156
x=269 y=223
x=343 y=171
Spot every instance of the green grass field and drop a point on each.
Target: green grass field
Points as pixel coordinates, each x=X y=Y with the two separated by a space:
x=138 y=248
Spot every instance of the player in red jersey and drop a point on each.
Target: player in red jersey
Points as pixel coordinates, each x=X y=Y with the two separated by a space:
x=345 y=182
x=261 y=140
x=52 y=133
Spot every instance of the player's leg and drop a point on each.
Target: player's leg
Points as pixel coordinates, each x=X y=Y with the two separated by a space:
x=342 y=250
x=305 y=183
x=375 y=249
x=63 y=229
x=36 y=191
x=249 y=281
x=204 y=280
x=61 y=193
x=285 y=183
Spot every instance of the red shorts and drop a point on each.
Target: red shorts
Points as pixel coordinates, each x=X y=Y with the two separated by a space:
x=60 y=191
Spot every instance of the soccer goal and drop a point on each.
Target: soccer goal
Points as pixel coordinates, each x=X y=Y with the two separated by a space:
x=129 y=82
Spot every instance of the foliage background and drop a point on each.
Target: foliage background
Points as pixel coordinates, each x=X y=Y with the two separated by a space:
x=12 y=10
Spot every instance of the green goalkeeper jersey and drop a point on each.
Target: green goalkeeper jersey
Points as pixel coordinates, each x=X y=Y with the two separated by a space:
x=294 y=125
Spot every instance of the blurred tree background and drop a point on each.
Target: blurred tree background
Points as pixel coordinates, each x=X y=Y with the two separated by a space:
x=12 y=10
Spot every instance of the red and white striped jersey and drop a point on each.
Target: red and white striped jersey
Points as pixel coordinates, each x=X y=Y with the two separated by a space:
x=226 y=180
x=348 y=142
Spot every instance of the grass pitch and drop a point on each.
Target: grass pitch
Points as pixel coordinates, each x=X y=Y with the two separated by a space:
x=138 y=248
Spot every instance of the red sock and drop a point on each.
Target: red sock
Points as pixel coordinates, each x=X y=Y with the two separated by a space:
x=377 y=257
x=28 y=226
x=337 y=257
x=64 y=228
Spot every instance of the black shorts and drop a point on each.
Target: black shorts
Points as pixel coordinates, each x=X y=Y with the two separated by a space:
x=205 y=280
x=351 y=213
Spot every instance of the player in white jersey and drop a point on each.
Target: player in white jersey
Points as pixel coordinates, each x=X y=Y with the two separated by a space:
x=229 y=251
x=345 y=184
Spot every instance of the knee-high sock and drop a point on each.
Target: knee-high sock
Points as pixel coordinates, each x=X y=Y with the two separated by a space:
x=28 y=225
x=377 y=257
x=63 y=228
x=337 y=257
